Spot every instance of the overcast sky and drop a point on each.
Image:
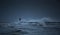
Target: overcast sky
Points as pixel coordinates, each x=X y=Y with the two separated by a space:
x=13 y=9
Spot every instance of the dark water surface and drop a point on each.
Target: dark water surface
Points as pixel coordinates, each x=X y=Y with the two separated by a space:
x=28 y=29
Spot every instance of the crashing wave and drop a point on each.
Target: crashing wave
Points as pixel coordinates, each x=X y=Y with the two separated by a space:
x=37 y=21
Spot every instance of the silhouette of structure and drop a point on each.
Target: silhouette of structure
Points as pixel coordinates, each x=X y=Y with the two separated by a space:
x=19 y=19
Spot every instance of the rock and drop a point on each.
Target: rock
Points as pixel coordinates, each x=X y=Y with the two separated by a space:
x=18 y=31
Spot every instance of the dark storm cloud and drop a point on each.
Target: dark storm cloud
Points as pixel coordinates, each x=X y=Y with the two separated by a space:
x=13 y=9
